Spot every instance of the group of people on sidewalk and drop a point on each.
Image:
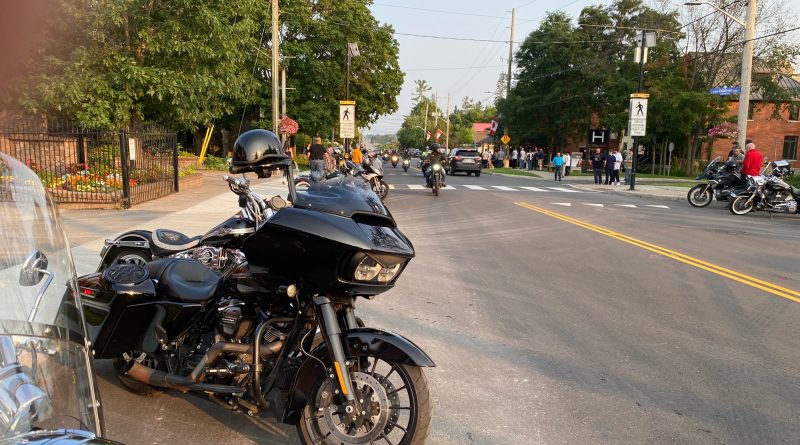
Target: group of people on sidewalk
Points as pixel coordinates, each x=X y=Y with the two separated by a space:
x=611 y=162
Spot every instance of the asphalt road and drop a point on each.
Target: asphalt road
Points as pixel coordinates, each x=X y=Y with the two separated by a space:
x=559 y=316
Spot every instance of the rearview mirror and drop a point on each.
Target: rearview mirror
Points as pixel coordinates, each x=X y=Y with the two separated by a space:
x=33 y=269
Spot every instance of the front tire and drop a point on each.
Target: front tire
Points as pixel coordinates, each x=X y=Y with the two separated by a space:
x=436 y=187
x=478 y=174
x=700 y=195
x=740 y=205
x=381 y=189
x=302 y=184
x=400 y=406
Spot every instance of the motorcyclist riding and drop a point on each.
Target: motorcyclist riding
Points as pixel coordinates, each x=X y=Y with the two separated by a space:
x=434 y=156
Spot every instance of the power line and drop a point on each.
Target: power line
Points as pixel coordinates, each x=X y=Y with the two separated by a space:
x=453 y=69
x=441 y=11
x=502 y=41
x=785 y=31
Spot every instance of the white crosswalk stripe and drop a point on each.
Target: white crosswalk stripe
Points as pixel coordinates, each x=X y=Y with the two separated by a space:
x=505 y=188
x=416 y=187
x=657 y=206
x=391 y=186
x=566 y=204
x=534 y=189
x=592 y=204
x=562 y=189
x=631 y=206
x=475 y=187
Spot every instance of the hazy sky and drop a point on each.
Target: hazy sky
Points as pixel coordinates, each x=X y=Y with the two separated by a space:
x=463 y=68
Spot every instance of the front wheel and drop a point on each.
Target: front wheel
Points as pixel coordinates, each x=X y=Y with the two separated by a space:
x=396 y=407
x=436 y=187
x=380 y=187
x=741 y=206
x=302 y=184
x=700 y=195
x=405 y=168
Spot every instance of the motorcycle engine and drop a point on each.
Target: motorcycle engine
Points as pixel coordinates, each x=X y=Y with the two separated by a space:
x=236 y=319
x=791 y=206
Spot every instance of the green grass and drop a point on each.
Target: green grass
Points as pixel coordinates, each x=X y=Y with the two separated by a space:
x=671 y=184
x=512 y=171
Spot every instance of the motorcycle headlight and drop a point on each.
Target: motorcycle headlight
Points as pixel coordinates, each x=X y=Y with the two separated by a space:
x=378 y=269
x=437 y=167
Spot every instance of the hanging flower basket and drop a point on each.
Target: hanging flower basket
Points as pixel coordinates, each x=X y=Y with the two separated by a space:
x=724 y=130
x=288 y=126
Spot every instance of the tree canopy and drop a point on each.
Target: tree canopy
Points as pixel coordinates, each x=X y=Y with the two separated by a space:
x=190 y=63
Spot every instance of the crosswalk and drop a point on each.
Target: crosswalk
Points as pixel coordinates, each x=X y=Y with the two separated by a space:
x=501 y=188
x=597 y=204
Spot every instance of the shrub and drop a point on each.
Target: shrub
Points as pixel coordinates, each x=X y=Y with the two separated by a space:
x=215 y=163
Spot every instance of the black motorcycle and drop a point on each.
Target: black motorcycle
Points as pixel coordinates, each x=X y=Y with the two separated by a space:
x=48 y=390
x=406 y=163
x=395 y=160
x=721 y=178
x=277 y=330
x=769 y=193
x=437 y=177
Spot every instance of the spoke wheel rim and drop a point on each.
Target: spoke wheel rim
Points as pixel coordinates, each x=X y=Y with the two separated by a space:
x=326 y=413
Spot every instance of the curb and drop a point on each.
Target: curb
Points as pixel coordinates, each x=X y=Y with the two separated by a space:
x=486 y=171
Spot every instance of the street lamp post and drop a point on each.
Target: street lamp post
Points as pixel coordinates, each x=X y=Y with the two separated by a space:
x=749 y=25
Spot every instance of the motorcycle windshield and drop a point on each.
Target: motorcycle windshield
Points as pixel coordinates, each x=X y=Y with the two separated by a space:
x=46 y=380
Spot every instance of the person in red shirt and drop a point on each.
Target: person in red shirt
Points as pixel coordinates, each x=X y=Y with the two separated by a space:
x=751 y=166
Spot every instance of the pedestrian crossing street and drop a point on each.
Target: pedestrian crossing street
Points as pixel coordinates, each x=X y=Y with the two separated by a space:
x=494 y=188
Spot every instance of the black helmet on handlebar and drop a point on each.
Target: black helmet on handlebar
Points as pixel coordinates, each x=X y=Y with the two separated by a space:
x=258 y=151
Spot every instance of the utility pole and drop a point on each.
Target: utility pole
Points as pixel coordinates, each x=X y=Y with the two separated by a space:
x=447 y=135
x=283 y=91
x=510 y=53
x=747 y=70
x=425 y=128
x=275 y=57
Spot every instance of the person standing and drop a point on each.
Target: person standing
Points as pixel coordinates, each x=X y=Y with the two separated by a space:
x=330 y=160
x=751 y=165
x=357 y=157
x=609 y=161
x=485 y=159
x=521 y=159
x=539 y=159
x=316 y=158
x=567 y=163
x=558 y=164
x=501 y=155
x=531 y=158
x=514 y=157
x=617 y=166
x=596 y=159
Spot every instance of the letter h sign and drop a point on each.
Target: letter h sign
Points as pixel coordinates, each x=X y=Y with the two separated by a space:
x=599 y=136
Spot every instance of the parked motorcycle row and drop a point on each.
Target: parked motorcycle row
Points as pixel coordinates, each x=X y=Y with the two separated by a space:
x=258 y=314
x=767 y=192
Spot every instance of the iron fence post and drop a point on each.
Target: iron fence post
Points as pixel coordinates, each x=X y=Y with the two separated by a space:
x=126 y=174
x=175 y=169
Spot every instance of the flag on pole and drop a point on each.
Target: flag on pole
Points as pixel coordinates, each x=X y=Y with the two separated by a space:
x=493 y=128
x=439 y=134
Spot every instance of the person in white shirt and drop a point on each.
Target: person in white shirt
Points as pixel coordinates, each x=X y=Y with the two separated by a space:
x=567 y=161
x=521 y=161
x=617 y=166
x=514 y=155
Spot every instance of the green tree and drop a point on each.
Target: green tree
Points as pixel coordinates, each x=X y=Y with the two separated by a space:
x=177 y=62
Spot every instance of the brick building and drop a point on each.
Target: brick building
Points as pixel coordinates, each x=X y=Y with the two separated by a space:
x=775 y=137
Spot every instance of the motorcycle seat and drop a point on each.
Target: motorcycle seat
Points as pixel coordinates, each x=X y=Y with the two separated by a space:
x=164 y=242
x=183 y=280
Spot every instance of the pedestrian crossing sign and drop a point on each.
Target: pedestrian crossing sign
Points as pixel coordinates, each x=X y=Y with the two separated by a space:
x=505 y=139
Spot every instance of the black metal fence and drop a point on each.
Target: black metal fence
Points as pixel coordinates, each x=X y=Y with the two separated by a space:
x=79 y=165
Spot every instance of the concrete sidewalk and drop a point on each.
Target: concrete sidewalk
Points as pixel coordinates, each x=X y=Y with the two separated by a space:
x=193 y=212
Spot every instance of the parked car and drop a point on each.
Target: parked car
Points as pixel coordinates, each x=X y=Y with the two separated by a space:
x=466 y=160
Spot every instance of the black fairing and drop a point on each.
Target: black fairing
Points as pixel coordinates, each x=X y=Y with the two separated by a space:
x=314 y=240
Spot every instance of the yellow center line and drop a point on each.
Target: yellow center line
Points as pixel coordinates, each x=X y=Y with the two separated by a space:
x=772 y=288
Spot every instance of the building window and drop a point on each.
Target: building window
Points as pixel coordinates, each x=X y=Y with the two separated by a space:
x=751 y=109
x=790 y=147
x=794 y=112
